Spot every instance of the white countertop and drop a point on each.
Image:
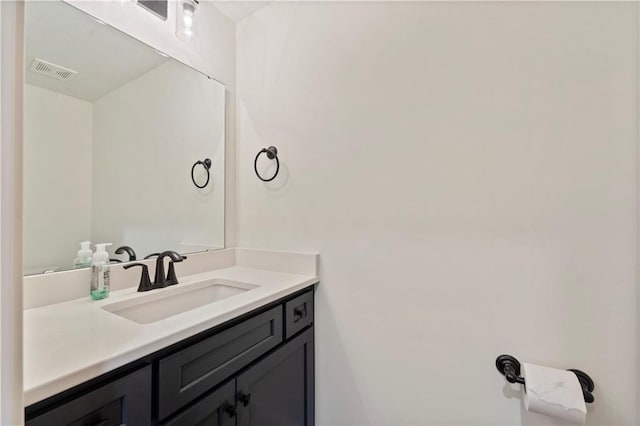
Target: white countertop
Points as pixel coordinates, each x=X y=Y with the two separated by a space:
x=68 y=343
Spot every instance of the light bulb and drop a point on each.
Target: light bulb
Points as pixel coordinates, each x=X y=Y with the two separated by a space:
x=186 y=20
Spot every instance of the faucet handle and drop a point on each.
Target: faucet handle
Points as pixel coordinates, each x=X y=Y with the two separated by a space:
x=145 y=281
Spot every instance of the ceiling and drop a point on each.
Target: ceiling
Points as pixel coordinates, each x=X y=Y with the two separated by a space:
x=238 y=9
x=104 y=58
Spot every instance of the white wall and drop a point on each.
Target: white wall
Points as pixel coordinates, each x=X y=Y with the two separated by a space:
x=58 y=155
x=468 y=173
x=147 y=135
x=11 y=84
x=213 y=54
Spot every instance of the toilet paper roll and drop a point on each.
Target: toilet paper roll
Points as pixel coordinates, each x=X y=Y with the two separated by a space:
x=556 y=393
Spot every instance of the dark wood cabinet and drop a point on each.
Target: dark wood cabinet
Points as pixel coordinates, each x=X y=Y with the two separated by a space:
x=187 y=374
x=278 y=390
x=256 y=370
x=298 y=313
x=216 y=409
x=125 y=401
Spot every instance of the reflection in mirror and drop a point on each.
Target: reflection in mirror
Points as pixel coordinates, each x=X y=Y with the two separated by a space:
x=112 y=128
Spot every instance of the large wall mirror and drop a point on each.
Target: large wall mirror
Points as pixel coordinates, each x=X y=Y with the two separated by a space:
x=112 y=130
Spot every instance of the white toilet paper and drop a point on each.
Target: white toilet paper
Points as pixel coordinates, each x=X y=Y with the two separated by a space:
x=553 y=392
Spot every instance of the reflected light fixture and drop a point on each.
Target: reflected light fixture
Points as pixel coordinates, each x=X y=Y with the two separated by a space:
x=186 y=22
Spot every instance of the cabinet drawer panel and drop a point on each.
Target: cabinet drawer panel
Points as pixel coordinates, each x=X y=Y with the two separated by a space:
x=298 y=313
x=193 y=371
x=123 y=401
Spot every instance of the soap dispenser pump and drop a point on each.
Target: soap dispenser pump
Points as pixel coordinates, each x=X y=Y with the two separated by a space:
x=100 y=272
x=83 y=260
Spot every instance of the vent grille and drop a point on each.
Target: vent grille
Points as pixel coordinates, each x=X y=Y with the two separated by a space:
x=52 y=70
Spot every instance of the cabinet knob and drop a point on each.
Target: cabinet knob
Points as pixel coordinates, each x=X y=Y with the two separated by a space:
x=229 y=409
x=299 y=313
x=245 y=398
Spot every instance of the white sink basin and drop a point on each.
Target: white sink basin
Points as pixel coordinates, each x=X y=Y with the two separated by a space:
x=160 y=304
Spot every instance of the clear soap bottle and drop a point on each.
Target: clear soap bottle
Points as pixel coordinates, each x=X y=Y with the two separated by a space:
x=84 y=256
x=100 y=272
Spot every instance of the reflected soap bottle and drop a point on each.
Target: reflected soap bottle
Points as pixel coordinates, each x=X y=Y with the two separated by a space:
x=100 y=272
x=84 y=256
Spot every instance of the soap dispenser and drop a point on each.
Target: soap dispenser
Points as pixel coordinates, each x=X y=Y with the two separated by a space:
x=84 y=256
x=100 y=272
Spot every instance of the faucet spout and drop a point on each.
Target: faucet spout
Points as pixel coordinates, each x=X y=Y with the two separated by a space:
x=128 y=250
x=160 y=279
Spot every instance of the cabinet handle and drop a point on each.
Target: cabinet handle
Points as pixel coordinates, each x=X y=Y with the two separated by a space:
x=245 y=398
x=229 y=409
x=298 y=313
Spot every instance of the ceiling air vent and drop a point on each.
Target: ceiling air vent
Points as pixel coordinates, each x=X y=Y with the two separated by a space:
x=52 y=70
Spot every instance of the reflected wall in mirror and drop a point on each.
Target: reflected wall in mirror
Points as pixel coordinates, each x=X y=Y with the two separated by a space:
x=112 y=128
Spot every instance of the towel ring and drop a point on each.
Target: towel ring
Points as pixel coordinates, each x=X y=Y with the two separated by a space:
x=207 y=166
x=272 y=153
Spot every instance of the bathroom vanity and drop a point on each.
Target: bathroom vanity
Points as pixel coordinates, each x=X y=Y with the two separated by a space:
x=245 y=359
x=257 y=369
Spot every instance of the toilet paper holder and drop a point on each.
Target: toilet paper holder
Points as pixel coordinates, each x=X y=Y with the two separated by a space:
x=509 y=367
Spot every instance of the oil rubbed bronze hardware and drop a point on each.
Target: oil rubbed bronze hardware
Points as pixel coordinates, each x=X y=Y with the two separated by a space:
x=272 y=154
x=244 y=398
x=207 y=167
x=509 y=367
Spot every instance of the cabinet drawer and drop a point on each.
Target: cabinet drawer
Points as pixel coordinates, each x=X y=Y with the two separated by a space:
x=298 y=313
x=123 y=401
x=195 y=370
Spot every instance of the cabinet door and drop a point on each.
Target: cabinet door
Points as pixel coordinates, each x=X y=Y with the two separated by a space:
x=126 y=401
x=279 y=390
x=216 y=409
